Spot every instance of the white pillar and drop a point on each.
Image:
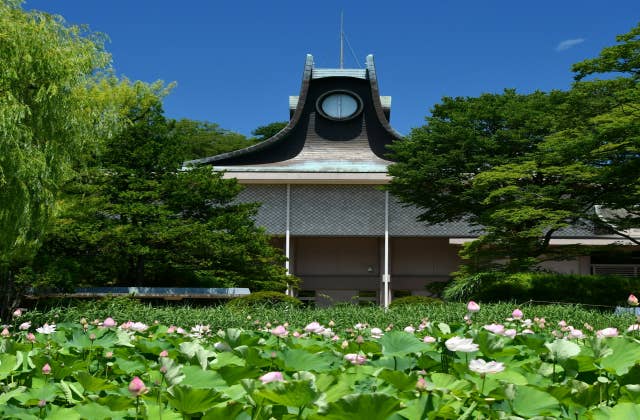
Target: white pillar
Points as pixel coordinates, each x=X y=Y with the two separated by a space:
x=386 y=278
x=287 y=238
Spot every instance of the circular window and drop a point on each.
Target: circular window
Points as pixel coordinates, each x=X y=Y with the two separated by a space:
x=339 y=105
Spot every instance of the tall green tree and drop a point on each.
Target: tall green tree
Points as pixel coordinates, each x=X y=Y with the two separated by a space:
x=54 y=104
x=264 y=132
x=203 y=139
x=523 y=167
x=136 y=219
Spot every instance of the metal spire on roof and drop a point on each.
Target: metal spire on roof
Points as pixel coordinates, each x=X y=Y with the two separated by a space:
x=341 y=39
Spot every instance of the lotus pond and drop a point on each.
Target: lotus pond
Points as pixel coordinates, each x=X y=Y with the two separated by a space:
x=517 y=368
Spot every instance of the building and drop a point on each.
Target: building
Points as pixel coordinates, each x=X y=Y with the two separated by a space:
x=319 y=181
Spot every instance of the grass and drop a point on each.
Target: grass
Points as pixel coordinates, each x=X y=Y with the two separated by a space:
x=344 y=316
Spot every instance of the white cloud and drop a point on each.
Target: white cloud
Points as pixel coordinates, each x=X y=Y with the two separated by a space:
x=568 y=43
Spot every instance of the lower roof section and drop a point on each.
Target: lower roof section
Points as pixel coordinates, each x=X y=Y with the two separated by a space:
x=356 y=178
x=594 y=241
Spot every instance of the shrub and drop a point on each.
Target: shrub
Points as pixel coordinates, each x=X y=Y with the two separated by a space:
x=467 y=287
x=414 y=300
x=263 y=299
x=544 y=287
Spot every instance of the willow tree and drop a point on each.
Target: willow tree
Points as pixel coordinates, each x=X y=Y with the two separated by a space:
x=56 y=100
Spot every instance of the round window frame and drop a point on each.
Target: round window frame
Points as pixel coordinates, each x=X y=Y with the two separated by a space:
x=325 y=95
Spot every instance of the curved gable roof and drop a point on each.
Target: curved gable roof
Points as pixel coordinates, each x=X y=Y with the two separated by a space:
x=312 y=143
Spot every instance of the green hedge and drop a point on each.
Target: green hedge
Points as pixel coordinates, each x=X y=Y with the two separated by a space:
x=264 y=299
x=545 y=287
x=414 y=300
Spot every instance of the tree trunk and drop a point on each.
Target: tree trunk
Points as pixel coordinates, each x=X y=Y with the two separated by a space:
x=140 y=270
x=9 y=298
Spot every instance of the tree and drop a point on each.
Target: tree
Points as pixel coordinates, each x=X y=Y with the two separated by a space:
x=53 y=107
x=524 y=167
x=136 y=219
x=264 y=132
x=203 y=139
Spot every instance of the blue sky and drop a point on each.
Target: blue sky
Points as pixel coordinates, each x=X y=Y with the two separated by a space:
x=236 y=62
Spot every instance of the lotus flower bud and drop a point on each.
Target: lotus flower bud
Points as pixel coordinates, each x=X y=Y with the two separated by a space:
x=137 y=387
x=473 y=307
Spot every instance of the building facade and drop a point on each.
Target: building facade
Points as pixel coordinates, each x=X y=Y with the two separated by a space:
x=320 y=181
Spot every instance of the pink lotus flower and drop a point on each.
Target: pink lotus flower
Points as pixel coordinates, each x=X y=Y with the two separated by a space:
x=46 y=369
x=108 y=354
x=356 y=359
x=25 y=326
x=164 y=353
x=473 y=307
x=272 y=377
x=495 y=328
x=527 y=331
x=409 y=329
x=171 y=329
x=607 y=333
x=510 y=333
x=17 y=313
x=109 y=322
x=314 y=327
x=576 y=334
x=421 y=384
x=137 y=387
x=344 y=344
x=632 y=300
x=296 y=334
x=280 y=331
x=5 y=333
x=428 y=339
x=31 y=338
x=517 y=314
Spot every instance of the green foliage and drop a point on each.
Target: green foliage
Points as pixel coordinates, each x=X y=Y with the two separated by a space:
x=544 y=287
x=202 y=139
x=58 y=103
x=255 y=316
x=209 y=373
x=267 y=131
x=134 y=219
x=265 y=298
x=523 y=167
x=414 y=300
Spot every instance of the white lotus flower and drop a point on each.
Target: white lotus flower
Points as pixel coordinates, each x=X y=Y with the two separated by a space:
x=47 y=329
x=138 y=326
x=376 y=332
x=482 y=367
x=465 y=345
